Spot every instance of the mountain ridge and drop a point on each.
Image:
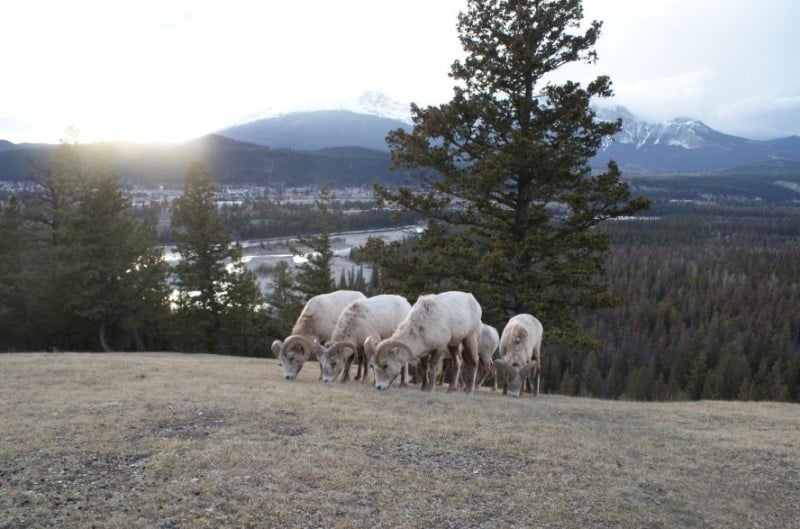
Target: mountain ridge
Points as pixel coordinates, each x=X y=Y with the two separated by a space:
x=679 y=145
x=691 y=160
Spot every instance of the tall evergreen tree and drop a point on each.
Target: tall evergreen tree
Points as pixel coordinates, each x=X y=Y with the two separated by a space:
x=213 y=286
x=90 y=272
x=512 y=203
x=284 y=302
x=314 y=276
x=13 y=320
x=109 y=260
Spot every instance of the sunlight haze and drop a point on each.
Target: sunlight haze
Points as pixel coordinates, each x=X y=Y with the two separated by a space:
x=174 y=70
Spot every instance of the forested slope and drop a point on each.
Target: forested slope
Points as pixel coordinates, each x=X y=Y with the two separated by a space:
x=708 y=306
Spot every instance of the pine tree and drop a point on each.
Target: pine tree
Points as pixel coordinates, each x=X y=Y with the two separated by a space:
x=314 y=276
x=284 y=301
x=512 y=203
x=13 y=317
x=109 y=259
x=213 y=287
x=91 y=273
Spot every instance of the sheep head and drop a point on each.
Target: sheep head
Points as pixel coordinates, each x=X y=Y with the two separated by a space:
x=292 y=353
x=516 y=373
x=387 y=360
x=333 y=358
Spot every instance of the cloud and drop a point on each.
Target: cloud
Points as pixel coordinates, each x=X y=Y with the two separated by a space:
x=761 y=116
x=666 y=97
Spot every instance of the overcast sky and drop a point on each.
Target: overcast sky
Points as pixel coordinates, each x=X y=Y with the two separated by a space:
x=166 y=70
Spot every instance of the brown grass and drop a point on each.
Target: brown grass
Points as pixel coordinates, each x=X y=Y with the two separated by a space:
x=184 y=441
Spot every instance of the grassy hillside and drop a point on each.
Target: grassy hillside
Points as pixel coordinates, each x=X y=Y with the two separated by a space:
x=183 y=441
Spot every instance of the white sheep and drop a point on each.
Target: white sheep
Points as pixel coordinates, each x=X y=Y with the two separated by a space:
x=434 y=323
x=520 y=352
x=375 y=317
x=489 y=341
x=487 y=345
x=316 y=322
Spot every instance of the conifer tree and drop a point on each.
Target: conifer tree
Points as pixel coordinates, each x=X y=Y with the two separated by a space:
x=511 y=201
x=213 y=285
x=314 y=276
x=284 y=301
x=91 y=273
x=13 y=317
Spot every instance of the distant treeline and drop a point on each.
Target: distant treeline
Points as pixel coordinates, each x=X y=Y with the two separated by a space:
x=708 y=306
x=259 y=220
x=264 y=219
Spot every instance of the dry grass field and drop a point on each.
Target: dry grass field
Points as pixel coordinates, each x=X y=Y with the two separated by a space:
x=185 y=441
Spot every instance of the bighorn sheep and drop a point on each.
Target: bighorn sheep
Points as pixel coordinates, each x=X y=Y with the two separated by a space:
x=375 y=317
x=487 y=345
x=434 y=323
x=520 y=352
x=316 y=322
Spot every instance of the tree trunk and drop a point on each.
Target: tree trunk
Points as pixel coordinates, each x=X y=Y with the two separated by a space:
x=137 y=339
x=102 y=336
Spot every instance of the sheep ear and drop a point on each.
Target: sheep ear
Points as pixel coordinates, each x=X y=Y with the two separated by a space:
x=319 y=350
x=276 y=347
x=369 y=348
x=526 y=369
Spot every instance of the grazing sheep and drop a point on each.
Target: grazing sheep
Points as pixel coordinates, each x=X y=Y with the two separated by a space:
x=375 y=317
x=487 y=345
x=434 y=323
x=316 y=322
x=489 y=341
x=520 y=352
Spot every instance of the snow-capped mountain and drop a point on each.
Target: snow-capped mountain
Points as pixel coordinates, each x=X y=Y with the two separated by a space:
x=683 y=145
x=363 y=121
x=679 y=132
x=377 y=104
x=320 y=129
x=680 y=145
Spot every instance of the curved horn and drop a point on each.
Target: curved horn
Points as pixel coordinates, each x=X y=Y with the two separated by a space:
x=387 y=345
x=527 y=368
x=501 y=364
x=335 y=347
x=297 y=340
x=319 y=349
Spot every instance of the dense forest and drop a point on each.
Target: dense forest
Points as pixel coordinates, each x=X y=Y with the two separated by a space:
x=707 y=305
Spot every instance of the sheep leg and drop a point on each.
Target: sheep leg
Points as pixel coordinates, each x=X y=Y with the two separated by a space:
x=455 y=359
x=422 y=373
x=486 y=368
x=446 y=364
x=404 y=377
x=346 y=371
x=433 y=361
x=470 y=376
x=471 y=357
x=365 y=362
x=361 y=366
